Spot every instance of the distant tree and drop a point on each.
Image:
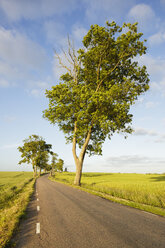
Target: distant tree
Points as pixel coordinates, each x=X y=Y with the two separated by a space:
x=48 y=168
x=60 y=164
x=93 y=99
x=42 y=160
x=35 y=151
x=53 y=163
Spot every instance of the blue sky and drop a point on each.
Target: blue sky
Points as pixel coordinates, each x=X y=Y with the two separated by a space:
x=30 y=31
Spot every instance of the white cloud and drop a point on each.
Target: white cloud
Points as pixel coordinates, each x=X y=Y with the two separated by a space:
x=143 y=131
x=34 y=9
x=78 y=32
x=9 y=146
x=107 y=9
x=36 y=92
x=155 y=65
x=55 y=33
x=128 y=159
x=39 y=84
x=159 y=87
x=37 y=88
x=10 y=71
x=156 y=39
x=20 y=58
x=4 y=83
x=141 y=12
x=155 y=86
x=150 y=104
x=145 y=16
x=135 y=163
x=17 y=49
x=161 y=139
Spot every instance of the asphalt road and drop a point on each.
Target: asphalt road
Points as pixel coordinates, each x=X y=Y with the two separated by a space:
x=70 y=218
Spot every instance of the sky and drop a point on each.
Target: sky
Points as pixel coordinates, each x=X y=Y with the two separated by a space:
x=30 y=32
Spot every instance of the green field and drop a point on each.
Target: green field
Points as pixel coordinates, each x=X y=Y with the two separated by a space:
x=143 y=191
x=15 y=190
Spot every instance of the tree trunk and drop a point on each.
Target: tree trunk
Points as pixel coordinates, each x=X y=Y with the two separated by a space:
x=79 y=165
x=40 y=172
x=79 y=160
x=34 y=171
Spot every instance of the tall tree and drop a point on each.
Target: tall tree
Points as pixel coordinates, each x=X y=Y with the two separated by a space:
x=93 y=99
x=34 y=151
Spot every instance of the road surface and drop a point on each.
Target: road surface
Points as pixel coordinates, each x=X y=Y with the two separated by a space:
x=63 y=217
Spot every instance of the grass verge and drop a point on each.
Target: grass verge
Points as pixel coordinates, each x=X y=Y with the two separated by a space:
x=15 y=200
x=145 y=192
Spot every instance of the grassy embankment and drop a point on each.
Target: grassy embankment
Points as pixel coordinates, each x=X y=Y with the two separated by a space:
x=146 y=192
x=15 y=191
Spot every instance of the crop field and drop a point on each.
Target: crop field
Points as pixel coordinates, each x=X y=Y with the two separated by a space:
x=143 y=191
x=15 y=191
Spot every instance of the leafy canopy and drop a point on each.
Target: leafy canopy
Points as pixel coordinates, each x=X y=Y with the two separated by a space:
x=105 y=81
x=34 y=150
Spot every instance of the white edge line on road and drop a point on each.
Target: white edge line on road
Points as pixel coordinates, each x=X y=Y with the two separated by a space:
x=37 y=199
x=150 y=213
x=37 y=228
x=38 y=208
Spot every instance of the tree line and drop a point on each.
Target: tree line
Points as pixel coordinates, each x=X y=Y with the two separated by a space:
x=37 y=152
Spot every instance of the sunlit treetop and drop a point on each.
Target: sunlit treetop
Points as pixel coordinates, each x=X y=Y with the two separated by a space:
x=94 y=97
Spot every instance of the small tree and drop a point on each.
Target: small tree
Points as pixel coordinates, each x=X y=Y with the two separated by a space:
x=53 y=163
x=60 y=164
x=93 y=99
x=35 y=151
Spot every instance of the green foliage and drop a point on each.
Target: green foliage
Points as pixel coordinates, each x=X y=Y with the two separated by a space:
x=35 y=150
x=60 y=164
x=54 y=160
x=105 y=81
x=42 y=159
x=57 y=164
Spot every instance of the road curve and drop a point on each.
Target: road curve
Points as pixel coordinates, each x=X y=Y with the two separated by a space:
x=70 y=218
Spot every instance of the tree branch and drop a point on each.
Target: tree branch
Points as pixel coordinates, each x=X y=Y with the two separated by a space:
x=98 y=86
x=62 y=64
x=83 y=150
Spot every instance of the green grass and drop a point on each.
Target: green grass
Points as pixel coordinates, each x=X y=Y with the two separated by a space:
x=15 y=191
x=143 y=191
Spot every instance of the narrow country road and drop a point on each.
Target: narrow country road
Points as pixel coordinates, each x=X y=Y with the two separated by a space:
x=63 y=217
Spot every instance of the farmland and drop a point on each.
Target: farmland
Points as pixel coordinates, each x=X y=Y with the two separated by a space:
x=143 y=191
x=15 y=190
